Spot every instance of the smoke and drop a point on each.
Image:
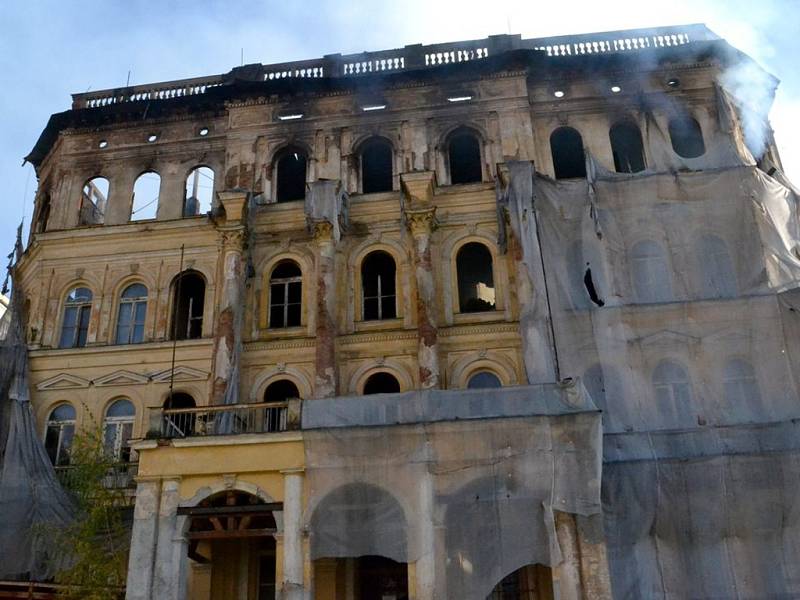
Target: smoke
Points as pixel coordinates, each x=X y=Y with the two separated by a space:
x=753 y=91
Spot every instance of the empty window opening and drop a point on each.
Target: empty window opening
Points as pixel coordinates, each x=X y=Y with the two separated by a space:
x=381 y=383
x=380 y=578
x=132 y=313
x=672 y=390
x=285 y=295
x=118 y=430
x=484 y=380
x=144 y=204
x=531 y=581
x=566 y=146
x=77 y=310
x=651 y=276
x=475 y=278
x=379 y=300
x=189 y=291
x=740 y=385
x=290 y=167
x=627 y=147
x=281 y=391
x=199 y=192
x=464 y=154
x=94 y=198
x=59 y=433
x=44 y=213
x=687 y=137
x=588 y=283
x=376 y=166
x=180 y=424
x=718 y=276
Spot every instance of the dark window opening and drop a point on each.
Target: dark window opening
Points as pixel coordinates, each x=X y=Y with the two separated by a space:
x=381 y=383
x=687 y=137
x=475 y=278
x=627 y=147
x=376 y=166
x=590 y=289
x=381 y=578
x=484 y=381
x=59 y=433
x=281 y=391
x=44 y=214
x=77 y=311
x=187 y=307
x=181 y=424
x=464 y=153
x=291 y=175
x=378 y=286
x=285 y=296
x=569 y=161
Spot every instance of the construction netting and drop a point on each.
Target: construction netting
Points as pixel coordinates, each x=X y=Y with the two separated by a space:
x=464 y=483
x=32 y=502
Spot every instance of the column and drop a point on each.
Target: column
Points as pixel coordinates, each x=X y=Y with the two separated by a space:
x=425 y=568
x=566 y=574
x=420 y=215
x=594 y=557
x=143 y=540
x=325 y=281
x=169 y=579
x=228 y=326
x=293 y=567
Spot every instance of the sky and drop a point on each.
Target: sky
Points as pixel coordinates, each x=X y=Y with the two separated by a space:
x=50 y=49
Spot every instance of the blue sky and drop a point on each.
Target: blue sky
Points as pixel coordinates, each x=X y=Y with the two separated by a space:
x=50 y=49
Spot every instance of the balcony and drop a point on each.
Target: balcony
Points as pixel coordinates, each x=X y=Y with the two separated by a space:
x=233 y=419
x=120 y=476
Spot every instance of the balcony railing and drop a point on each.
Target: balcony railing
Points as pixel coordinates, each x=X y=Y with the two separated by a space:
x=263 y=417
x=119 y=476
x=416 y=56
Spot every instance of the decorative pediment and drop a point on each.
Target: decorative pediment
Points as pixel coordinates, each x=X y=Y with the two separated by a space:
x=63 y=381
x=182 y=373
x=728 y=337
x=121 y=378
x=666 y=338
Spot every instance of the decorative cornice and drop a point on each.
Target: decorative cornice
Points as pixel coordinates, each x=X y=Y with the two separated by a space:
x=457 y=330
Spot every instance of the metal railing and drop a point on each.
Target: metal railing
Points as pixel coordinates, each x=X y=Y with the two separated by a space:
x=415 y=56
x=263 y=417
x=119 y=476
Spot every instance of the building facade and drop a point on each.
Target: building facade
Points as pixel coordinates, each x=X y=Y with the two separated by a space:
x=507 y=318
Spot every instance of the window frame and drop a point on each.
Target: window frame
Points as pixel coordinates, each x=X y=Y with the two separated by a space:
x=175 y=286
x=60 y=425
x=121 y=451
x=134 y=302
x=276 y=168
x=380 y=296
x=455 y=280
x=285 y=282
x=464 y=130
x=83 y=318
x=654 y=295
x=364 y=145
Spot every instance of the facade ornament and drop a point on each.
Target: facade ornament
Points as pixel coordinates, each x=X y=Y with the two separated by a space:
x=322 y=230
x=421 y=221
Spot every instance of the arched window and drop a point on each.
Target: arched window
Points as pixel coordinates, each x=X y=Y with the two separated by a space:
x=627 y=147
x=77 y=310
x=484 y=380
x=179 y=424
x=687 y=137
x=569 y=161
x=464 y=156
x=118 y=430
x=718 y=277
x=132 y=312
x=146 y=190
x=199 y=192
x=379 y=299
x=376 y=166
x=94 y=197
x=285 y=295
x=189 y=292
x=281 y=391
x=741 y=387
x=651 y=276
x=672 y=390
x=59 y=433
x=290 y=176
x=381 y=383
x=475 y=278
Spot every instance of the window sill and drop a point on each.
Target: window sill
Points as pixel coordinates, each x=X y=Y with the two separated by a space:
x=488 y=316
x=283 y=332
x=379 y=325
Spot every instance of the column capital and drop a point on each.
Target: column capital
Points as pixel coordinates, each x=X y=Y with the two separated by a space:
x=233 y=237
x=322 y=231
x=421 y=221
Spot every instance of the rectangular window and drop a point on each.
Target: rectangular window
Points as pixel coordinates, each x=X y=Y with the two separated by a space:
x=285 y=304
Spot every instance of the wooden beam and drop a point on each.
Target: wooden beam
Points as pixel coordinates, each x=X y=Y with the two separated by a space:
x=197 y=511
x=234 y=534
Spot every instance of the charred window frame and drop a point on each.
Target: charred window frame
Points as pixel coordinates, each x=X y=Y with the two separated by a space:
x=381 y=383
x=118 y=430
x=290 y=174
x=188 y=306
x=376 y=157
x=569 y=159
x=58 y=435
x=464 y=157
x=475 y=277
x=77 y=312
x=285 y=295
x=94 y=199
x=378 y=287
x=132 y=314
x=627 y=147
x=686 y=137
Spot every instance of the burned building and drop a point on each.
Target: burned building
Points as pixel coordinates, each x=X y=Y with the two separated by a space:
x=506 y=318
